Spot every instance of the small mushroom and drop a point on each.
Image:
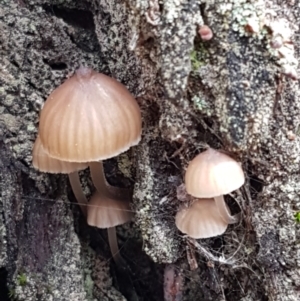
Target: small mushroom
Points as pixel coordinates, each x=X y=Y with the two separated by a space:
x=89 y=118
x=106 y=212
x=205 y=33
x=201 y=220
x=212 y=174
x=43 y=162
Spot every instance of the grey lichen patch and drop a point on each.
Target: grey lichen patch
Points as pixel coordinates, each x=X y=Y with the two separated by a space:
x=178 y=30
x=157 y=225
x=114 y=34
x=143 y=43
x=241 y=67
x=175 y=123
x=279 y=240
x=273 y=211
x=125 y=165
x=12 y=123
x=248 y=16
x=260 y=21
x=202 y=105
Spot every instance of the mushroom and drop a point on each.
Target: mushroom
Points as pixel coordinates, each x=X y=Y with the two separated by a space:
x=205 y=33
x=106 y=212
x=201 y=220
x=212 y=174
x=43 y=162
x=89 y=118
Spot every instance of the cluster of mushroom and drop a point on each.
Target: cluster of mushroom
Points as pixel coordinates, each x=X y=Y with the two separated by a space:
x=89 y=118
x=92 y=117
x=209 y=176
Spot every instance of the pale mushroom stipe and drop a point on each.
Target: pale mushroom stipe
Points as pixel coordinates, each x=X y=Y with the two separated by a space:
x=43 y=162
x=106 y=212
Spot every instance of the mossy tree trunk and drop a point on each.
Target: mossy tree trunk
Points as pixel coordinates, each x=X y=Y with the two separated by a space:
x=238 y=92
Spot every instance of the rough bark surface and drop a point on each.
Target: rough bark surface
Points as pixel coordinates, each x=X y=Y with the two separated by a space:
x=238 y=92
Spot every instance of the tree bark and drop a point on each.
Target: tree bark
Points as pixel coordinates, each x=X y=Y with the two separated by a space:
x=237 y=92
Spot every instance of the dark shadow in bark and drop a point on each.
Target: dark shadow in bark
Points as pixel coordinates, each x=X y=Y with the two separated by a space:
x=3 y=287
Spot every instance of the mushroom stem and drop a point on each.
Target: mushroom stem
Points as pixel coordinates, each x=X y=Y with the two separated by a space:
x=99 y=180
x=77 y=190
x=114 y=248
x=116 y=193
x=98 y=177
x=224 y=211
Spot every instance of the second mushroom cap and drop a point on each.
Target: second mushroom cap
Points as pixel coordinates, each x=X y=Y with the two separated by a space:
x=105 y=212
x=43 y=162
x=201 y=220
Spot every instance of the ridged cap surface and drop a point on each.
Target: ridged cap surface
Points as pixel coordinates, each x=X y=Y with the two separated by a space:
x=43 y=162
x=213 y=173
x=201 y=220
x=105 y=212
x=90 y=117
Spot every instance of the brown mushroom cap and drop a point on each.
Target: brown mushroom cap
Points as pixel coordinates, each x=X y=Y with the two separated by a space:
x=213 y=173
x=106 y=212
x=90 y=117
x=201 y=220
x=205 y=33
x=43 y=162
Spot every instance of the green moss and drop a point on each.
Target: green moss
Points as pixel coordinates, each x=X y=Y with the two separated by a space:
x=88 y=284
x=297 y=217
x=198 y=56
x=12 y=294
x=22 y=279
